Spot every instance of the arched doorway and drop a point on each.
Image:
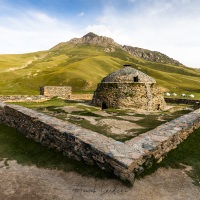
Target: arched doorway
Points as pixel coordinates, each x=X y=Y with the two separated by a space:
x=104 y=106
x=136 y=79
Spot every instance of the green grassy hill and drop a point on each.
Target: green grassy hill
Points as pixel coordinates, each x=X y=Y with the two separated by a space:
x=82 y=65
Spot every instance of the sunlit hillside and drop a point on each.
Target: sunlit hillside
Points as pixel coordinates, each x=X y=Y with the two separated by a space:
x=82 y=66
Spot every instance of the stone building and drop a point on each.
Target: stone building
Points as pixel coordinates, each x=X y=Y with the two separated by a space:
x=129 y=87
x=59 y=91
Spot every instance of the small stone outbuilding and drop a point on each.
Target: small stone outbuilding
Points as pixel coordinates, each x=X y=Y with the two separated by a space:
x=59 y=91
x=129 y=87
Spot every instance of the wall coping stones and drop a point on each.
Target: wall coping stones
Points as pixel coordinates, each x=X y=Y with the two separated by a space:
x=122 y=159
x=22 y=98
x=128 y=82
x=2 y=104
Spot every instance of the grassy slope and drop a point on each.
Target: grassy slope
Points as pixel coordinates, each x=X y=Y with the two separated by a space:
x=82 y=67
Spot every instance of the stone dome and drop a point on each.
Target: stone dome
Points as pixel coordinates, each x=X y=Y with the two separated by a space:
x=128 y=75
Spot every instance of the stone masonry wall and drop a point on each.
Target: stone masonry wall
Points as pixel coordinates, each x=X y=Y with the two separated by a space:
x=136 y=95
x=72 y=140
x=183 y=101
x=23 y=98
x=60 y=91
x=81 y=96
x=125 y=160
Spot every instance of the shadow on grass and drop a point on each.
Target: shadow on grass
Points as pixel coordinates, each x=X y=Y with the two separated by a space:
x=187 y=153
x=15 y=146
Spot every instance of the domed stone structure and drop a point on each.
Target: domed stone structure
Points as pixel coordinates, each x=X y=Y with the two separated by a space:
x=129 y=87
x=128 y=75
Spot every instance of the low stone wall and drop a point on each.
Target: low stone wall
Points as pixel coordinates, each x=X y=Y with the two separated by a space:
x=182 y=101
x=59 y=91
x=2 y=116
x=159 y=141
x=125 y=160
x=23 y=98
x=81 y=96
x=72 y=140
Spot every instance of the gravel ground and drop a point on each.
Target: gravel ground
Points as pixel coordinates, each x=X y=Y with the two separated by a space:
x=19 y=182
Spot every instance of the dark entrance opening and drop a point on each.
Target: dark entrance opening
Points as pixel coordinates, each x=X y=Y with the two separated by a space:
x=136 y=79
x=127 y=65
x=104 y=106
x=158 y=108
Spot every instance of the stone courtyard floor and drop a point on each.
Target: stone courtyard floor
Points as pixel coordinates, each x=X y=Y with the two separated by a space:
x=120 y=124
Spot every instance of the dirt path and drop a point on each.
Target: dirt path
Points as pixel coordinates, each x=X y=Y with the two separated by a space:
x=28 y=182
x=26 y=64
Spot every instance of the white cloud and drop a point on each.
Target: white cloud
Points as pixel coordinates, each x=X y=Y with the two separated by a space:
x=33 y=31
x=41 y=17
x=81 y=14
x=156 y=27
x=169 y=26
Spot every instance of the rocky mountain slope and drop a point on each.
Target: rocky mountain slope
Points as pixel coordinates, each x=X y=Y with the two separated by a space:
x=153 y=56
x=110 y=45
x=94 y=39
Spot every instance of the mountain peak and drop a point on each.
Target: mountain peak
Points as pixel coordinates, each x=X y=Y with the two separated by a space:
x=90 y=35
x=92 y=38
x=110 y=46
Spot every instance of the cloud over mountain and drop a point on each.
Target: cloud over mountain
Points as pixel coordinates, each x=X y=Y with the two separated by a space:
x=169 y=26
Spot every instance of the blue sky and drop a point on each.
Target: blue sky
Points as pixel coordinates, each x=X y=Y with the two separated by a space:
x=169 y=26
